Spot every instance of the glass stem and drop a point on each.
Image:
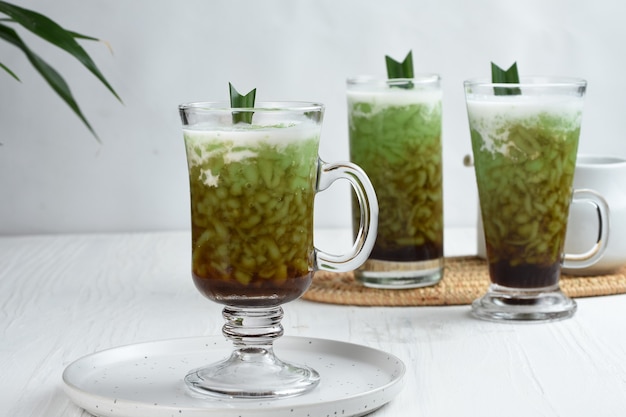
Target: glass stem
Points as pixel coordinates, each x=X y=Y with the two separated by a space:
x=252 y=370
x=252 y=328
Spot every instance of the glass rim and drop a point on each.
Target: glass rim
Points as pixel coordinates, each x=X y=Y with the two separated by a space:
x=533 y=81
x=424 y=78
x=261 y=106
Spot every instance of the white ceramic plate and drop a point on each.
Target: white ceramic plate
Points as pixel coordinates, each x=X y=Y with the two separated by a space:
x=147 y=380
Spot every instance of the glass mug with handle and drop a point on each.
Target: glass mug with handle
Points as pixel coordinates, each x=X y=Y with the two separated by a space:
x=524 y=147
x=252 y=189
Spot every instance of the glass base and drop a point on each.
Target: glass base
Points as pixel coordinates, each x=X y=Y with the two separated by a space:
x=502 y=304
x=252 y=370
x=252 y=373
x=400 y=275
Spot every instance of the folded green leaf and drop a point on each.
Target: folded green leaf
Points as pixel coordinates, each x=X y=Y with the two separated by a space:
x=49 y=30
x=500 y=76
x=52 y=77
x=402 y=69
x=239 y=101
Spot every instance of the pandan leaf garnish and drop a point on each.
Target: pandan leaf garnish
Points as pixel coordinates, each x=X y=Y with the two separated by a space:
x=402 y=69
x=239 y=101
x=500 y=76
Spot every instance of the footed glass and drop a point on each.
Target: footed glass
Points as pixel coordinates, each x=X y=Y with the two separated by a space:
x=395 y=136
x=524 y=141
x=252 y=188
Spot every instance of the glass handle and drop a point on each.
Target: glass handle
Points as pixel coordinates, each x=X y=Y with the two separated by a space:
x=593 y=255
x=328 y=173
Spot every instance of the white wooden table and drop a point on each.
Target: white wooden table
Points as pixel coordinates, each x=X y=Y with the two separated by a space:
x=66 y=296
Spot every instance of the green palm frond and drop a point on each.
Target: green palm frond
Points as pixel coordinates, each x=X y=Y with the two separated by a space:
x=52 y=32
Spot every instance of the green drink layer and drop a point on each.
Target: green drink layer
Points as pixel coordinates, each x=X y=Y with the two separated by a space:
x=524 y=162
x=399 y=147
x=252 y=214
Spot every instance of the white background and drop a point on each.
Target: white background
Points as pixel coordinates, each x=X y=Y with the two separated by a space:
x=55 y=177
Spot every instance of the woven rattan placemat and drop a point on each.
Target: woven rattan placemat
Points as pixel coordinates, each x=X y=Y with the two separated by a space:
x=464 y=280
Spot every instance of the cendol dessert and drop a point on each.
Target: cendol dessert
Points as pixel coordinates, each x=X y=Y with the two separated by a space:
x=252 y=190
x=524 y=148
x=395 y=136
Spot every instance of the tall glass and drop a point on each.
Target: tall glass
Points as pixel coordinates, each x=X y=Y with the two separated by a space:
x=252 y=193
x=395 y=136
x=524 y=146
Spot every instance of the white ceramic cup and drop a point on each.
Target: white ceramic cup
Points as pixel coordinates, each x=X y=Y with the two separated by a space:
x=607 y=176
